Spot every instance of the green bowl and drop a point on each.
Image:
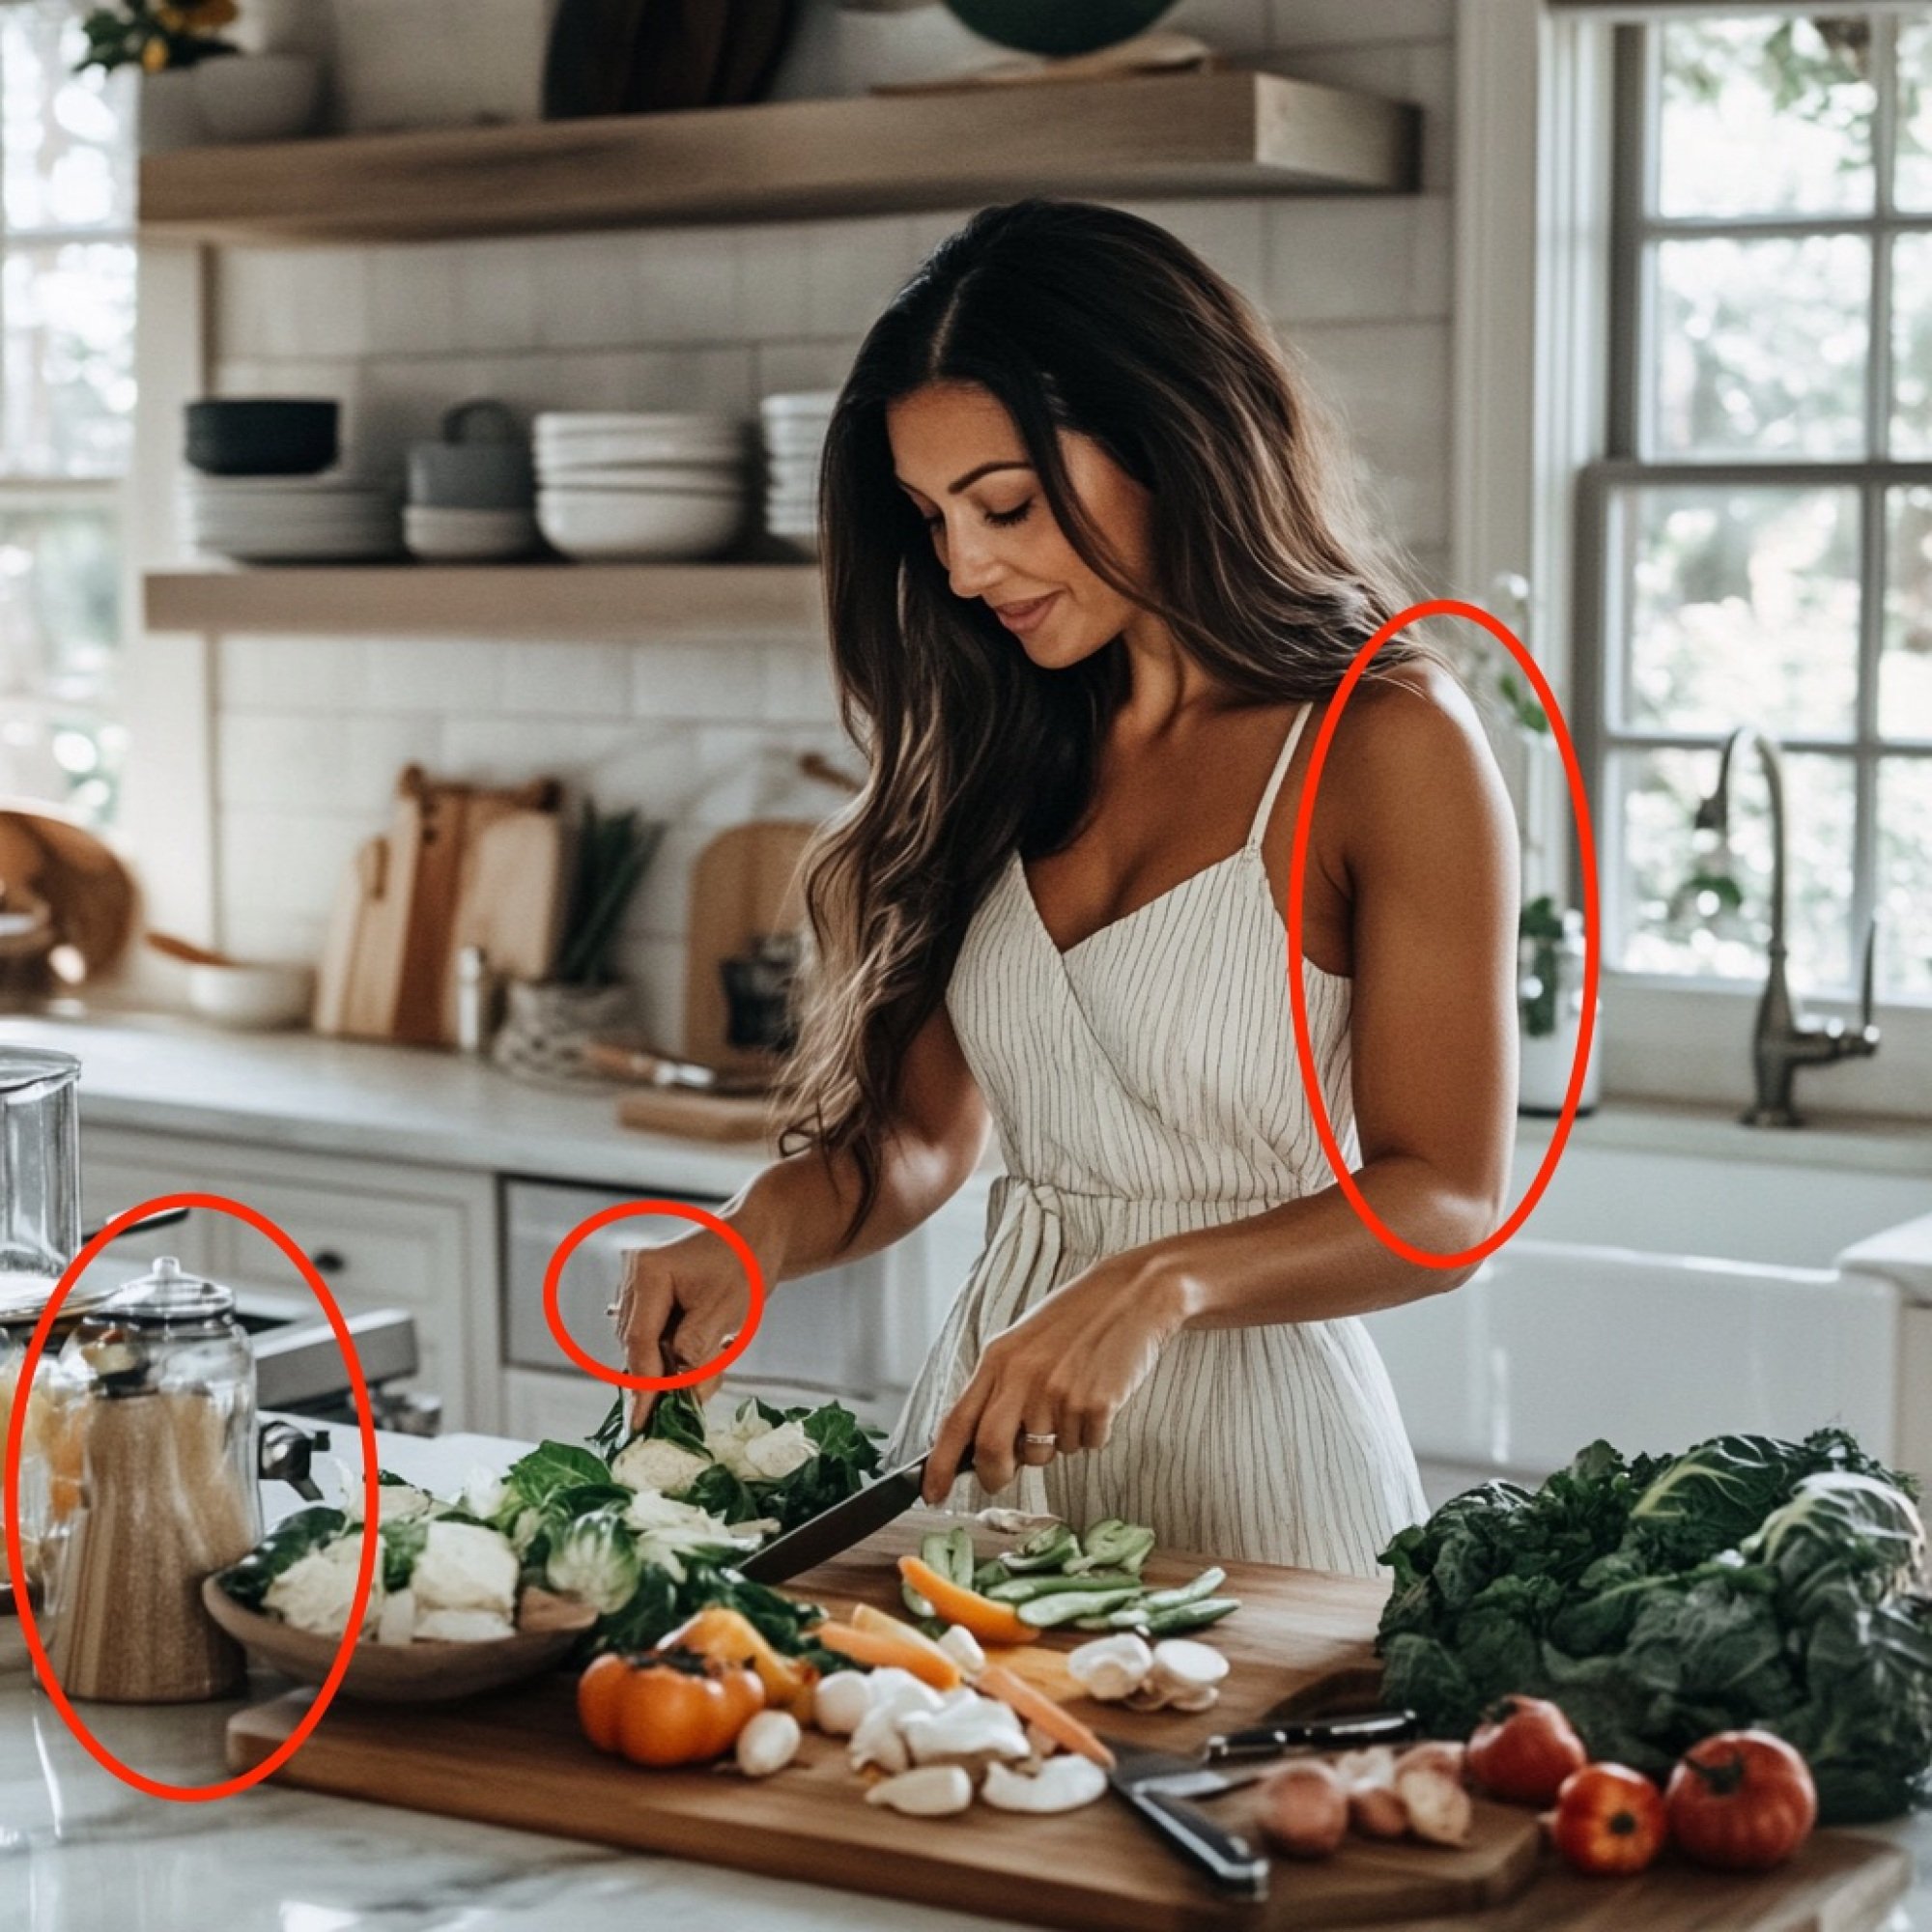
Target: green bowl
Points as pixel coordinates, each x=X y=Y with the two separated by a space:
x=1060 y=26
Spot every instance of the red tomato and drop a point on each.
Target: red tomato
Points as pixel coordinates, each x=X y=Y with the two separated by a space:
x=1609 y=1819
x=1523 y=1750
x=1742 y=1801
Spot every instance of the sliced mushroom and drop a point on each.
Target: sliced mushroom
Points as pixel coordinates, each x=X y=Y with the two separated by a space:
x=1183 y=1668
x=972 y=1736
x=963 y=1648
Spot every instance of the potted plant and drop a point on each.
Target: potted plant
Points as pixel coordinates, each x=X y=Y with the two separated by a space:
x=191 y=91
x=548 y=1023
x=1550 y=950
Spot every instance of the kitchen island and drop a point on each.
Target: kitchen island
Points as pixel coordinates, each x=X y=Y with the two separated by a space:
x=82 y=1852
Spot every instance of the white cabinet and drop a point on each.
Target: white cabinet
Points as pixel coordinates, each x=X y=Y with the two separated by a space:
x=379 y=1234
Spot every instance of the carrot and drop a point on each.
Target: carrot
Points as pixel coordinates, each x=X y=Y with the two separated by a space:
x=1035 y=1707
x=926 y=1661
x=866 y=1618
x=988 y=1621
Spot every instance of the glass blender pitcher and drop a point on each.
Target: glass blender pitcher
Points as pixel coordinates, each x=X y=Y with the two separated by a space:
x=39 y=1234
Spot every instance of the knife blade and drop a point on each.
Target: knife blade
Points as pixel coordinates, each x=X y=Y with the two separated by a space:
x=833 y=1531
x=1227 y=1762
x=1142 y=1778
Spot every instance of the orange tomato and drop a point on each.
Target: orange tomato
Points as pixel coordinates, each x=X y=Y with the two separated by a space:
x=666 y=1706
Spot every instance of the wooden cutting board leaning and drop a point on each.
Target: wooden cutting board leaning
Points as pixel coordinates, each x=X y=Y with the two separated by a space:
x=518 y=1759
x=460 y=864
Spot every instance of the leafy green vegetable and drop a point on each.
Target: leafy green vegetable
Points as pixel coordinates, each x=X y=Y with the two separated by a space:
x=595 y=1558
x=1747 y=1582
x=402 y=1544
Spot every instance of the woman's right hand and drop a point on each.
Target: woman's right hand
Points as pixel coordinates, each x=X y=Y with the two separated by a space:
x=678 y=1305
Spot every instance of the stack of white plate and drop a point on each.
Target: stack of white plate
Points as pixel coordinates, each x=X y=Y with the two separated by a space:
x=332 y=517
x=641 y=487
x=794 y=426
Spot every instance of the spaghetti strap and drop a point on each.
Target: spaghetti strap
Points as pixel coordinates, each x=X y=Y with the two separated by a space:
x=1275 y=777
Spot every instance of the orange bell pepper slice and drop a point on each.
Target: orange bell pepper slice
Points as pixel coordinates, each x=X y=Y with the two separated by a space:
x=988 y=1621
x=877 y=1647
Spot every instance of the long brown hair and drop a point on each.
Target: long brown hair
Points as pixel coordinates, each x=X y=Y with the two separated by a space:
x=1080 y=316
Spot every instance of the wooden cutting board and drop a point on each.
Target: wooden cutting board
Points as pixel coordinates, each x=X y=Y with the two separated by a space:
x=518 y=1759
x=744 y=884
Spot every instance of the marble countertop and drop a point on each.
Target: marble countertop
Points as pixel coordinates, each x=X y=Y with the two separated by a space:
x=305 y=1092
x=80 y=1851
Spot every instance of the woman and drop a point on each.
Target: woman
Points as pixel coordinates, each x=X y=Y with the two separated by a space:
x=1090 y=590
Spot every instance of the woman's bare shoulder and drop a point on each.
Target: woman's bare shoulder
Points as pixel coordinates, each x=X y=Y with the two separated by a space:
x=1411 y=748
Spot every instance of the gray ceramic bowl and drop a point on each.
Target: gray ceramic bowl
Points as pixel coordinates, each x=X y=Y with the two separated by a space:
x=471 y=476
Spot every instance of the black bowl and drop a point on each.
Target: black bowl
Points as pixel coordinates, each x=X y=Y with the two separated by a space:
x=262 y=436
x=1070 y=27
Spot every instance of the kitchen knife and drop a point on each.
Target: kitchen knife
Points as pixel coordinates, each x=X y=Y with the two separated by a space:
x=1143 y=1779
x=831 y=1532
x=1252 y=1754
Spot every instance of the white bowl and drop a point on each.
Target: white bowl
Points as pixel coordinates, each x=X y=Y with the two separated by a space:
x=637 y=524
x=260 y=97
x=648 y=422
x=644 y=476
x=262 y=995
x=496 y=534
x=579 y=452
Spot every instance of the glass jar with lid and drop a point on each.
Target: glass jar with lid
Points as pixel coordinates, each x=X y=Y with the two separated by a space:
x=151 y=1467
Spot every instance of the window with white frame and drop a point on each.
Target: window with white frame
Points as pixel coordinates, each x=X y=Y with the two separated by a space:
x=67 y=398
x=1756 y=546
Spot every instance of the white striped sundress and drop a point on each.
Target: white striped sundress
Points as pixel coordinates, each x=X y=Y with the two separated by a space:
x=1144 y=1082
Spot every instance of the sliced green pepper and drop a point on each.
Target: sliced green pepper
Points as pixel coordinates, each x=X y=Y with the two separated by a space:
x=1112 y=1545
x=1203 y=1585
x=1047 y=1549
x=1045 y=1583
x=1191 y=1616
x=1063 y=1606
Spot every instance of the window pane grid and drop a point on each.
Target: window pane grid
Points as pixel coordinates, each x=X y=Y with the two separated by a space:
x=1704 y=380
x=67 y=255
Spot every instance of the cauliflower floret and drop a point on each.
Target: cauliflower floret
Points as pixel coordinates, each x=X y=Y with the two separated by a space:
x=651 y=1463
x=462 y=1626
x=403 y=1502
x=483 y=1493
x=667 y=1529
x=465 y=1567
x=779 y=1451
x=315 y=1591
x=755 y=1450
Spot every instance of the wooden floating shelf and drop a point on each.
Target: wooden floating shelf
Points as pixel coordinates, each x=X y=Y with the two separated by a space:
x=536 y=601
x=1220 y=132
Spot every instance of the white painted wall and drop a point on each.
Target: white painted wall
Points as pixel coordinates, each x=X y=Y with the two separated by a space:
x=308 y=732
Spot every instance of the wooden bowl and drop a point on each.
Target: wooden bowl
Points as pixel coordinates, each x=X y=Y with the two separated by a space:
x=390 y=1673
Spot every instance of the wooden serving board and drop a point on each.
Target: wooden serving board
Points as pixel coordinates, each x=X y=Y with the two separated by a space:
x=517 y=1758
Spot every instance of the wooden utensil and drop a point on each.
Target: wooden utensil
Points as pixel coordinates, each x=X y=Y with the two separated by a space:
x=695 y=1117
x=187 y=952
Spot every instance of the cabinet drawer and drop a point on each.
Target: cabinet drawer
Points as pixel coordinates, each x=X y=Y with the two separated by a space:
x=539 y=1406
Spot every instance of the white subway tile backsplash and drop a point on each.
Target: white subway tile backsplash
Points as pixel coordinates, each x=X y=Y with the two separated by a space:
x=688 y=287
x=274 y=759
x=413 y=302
x=285 y=674
x=497 y=293
x=691 y=679
x=432 y=675
x=288 y=861
x=852 y=271
x=577 y=680
x=1233 y=26
x=1356 y=258
x=798 y=684
x=507 y=750
x=376 y=751
x=1329 y=23
x=781 y=366
x=590 y=290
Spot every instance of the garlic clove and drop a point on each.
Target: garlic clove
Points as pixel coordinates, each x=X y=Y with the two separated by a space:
x=932 y=1791
x=768 y=1742
x=1061 y=1784
x=840 y=1702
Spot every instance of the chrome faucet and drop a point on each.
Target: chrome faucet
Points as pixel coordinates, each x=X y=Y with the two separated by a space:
x=1784 y=1039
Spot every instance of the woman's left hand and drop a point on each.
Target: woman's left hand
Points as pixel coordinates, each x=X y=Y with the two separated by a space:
x=1063 y=1370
